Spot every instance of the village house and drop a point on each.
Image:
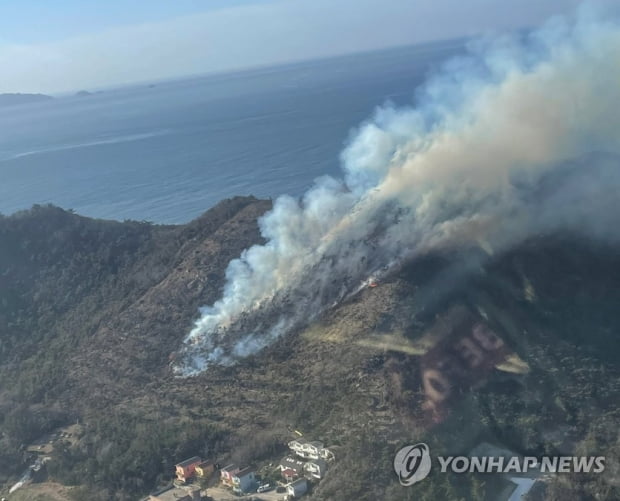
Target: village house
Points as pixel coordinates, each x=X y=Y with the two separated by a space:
x=244 y=481
x=297 y=488
x=316 y=468
x=227 y=473
x=205 y=469
x=297 y=445
x=305 y=449
x=186 y=469
x=289 y=475
x=291 y=468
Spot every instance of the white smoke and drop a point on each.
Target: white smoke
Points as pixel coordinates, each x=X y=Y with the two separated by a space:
x=500 y=145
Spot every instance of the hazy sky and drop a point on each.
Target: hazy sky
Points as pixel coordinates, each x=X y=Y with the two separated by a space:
x=62 y=45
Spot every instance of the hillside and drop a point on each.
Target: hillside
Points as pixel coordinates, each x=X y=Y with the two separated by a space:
x=92 y=313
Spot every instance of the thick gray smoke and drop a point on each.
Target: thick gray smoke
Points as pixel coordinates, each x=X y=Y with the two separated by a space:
x=517 y=139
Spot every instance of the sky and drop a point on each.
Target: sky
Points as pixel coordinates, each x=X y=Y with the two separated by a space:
x=68 y=45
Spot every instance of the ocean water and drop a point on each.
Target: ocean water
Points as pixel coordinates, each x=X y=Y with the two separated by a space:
x=167 y=152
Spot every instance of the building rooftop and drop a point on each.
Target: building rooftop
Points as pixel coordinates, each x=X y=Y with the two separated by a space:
x=289 y=472
x=299 y=481
x=245 y=471
x=321 y=463
x=289 y=462
x=189 y=461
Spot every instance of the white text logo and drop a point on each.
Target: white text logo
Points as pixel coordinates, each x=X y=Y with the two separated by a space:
x=412 y=464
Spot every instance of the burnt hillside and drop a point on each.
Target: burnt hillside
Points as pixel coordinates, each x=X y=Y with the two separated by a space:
x=92 y=313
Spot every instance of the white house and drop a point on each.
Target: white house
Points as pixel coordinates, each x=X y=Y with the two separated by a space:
x=297 y=445
x=305 y=449
x=316 y=468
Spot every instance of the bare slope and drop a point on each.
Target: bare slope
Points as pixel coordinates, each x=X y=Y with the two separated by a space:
x=93 y=312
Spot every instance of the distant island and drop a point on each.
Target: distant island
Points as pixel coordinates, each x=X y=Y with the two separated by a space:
x=83 y=93
x=17 y=99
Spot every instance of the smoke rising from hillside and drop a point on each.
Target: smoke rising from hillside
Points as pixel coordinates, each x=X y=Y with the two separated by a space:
x=519 y=138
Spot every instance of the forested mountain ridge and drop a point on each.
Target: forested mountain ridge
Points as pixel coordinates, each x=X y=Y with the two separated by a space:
x=92 y=313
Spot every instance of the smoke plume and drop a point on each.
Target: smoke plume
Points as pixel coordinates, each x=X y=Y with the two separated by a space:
x=518 y=138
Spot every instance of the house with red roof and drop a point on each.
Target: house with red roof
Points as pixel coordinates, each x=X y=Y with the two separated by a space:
x=186 y=469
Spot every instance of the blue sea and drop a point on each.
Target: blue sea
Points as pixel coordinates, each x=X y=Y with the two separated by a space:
x=166 y=152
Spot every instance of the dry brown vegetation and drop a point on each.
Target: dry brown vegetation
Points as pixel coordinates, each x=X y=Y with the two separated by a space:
x=91 y=311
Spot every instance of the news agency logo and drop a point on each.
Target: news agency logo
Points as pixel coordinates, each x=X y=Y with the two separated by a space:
x=413 y=463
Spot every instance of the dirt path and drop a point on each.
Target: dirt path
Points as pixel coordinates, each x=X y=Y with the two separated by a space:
x=46 y=491
x=221 y=494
